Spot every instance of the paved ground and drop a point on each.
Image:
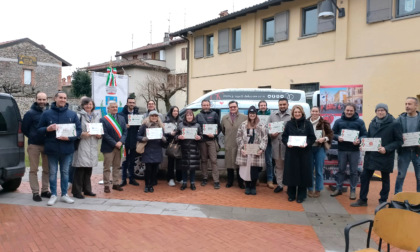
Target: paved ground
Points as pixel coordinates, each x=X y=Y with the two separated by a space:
x=174 y=220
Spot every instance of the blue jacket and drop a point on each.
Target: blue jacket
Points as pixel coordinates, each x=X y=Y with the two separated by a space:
x=57 y=115
x=30 y=123
x=353 y=123
x=131 y=140
x=110 y=137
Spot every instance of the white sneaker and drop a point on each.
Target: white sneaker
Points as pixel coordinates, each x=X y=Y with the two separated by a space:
x=67 y=199
x=171 y=182
x=52 y=200
x=70 y=187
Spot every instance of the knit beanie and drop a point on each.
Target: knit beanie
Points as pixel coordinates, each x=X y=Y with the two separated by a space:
x=382 y=105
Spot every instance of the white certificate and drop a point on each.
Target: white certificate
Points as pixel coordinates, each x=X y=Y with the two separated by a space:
x=189 y=133
x=349 y=135
x=276 y=127
x=135 y=119
x=411 y=139
x=95 y=128
x=169 y=127
x=209 y=129
x=252 y=149
x=66 y=130
x=318 y=134
x=370 y=144
x=297 y=140
x=263 y=119
x=154 y=133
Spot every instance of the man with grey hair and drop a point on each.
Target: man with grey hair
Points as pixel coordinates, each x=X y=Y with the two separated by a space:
x=115 y=133
x=410 y=122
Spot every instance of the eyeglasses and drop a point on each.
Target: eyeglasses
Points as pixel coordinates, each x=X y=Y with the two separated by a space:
x=233 y=106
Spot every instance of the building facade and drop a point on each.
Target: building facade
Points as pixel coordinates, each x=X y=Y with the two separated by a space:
x=27 y=67
x=283 y=44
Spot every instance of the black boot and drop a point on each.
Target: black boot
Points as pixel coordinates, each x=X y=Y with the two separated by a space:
x=230 y=175
x=247 y=187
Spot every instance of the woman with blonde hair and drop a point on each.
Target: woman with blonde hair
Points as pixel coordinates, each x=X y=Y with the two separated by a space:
x=298 y=159
x=251 y=131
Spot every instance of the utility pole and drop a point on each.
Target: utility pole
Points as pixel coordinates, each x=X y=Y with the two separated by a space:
x=151 y=32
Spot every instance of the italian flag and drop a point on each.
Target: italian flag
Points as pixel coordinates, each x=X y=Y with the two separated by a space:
x=110 y=81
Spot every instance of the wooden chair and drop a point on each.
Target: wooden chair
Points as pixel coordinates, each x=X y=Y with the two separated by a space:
x=397 y=227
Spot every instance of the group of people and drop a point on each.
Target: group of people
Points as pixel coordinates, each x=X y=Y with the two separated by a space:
x=249 y=148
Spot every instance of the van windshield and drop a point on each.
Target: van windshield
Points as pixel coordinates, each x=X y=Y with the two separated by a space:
x=254 y=95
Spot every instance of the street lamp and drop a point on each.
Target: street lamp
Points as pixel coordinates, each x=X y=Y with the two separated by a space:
x=326 y=10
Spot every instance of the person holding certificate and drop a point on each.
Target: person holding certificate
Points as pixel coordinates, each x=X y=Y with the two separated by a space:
x=189 y=147
x=298 y=157
x=264 y=111
x=174 y=165
x=410 y=122
x=252 y=138
x=385 y=127
x=151 y=131
x=348 y=130
x=324 y=136
x=86 y=156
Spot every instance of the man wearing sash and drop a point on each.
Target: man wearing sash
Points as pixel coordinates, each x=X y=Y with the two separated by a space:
x=115 y=133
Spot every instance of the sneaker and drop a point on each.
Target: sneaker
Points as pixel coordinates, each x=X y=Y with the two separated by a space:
x=216 y=185
x=310 y=194
x=270 y=184
x=359 y=203
x=278 y=189
x=133 y=182
x=336 y=193
x=36 y=197
x=204 y=182
x=179 y=181
x=52 y=200
x=46 y=194
x=171 y=182
x=66 y=199
x=353 y=195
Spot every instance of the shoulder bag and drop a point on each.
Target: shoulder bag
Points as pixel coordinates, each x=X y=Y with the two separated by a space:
x=140 y=147
x=174 y=150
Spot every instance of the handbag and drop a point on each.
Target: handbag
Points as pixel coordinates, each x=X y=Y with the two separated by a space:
x=405 y=205
x=174 y=150
x=140 y=147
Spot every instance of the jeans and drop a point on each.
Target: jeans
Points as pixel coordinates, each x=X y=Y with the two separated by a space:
x=64 y=161
x=185 y=176
x=407 y=154
x=71 y=170
x=352 y=157
x=128 y=164
x=269 y=162
x=365 y=181
x=318 y=154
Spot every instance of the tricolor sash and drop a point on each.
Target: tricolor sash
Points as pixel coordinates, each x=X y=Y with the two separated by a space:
x=114 y=124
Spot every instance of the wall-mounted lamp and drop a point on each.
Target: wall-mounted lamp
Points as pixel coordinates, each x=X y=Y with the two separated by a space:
x=327 y=12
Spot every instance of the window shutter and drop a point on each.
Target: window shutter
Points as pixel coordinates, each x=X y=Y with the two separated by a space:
x=281 y=26
x=223 y=45
x=326 y=25
x=198 y=47
x=184 y=53
x=378 y=10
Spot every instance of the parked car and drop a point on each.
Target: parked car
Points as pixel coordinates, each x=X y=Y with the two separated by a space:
x=12 y=147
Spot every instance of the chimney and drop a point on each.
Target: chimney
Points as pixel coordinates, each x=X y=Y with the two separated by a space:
x=88 y=63
x=68 y=79
x=166 y=37
x=42 y=46
x=63 y=81
x=117 y=57
x=223 y=13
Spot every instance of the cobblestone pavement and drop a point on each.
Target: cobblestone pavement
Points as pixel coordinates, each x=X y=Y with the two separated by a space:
x=174 y=220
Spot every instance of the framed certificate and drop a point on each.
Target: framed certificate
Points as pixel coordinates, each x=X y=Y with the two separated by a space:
x=296 y=140
x=276 y=127
x=95 y=128
x=252 y=149
x=411 y=139
x=66 y=130
x=263 y=119
x=209 y=129
x=189 y=133
x=370 y=144
x=134 y=120
x=169 y=127
x=154 y=133
x=318 y=134
x=349 y=135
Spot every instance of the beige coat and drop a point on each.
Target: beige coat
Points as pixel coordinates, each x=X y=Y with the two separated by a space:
x=261 y=138
x=87 y=153
x=229 y=130
x=278 y=148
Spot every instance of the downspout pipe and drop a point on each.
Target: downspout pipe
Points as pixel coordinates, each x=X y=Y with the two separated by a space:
x=188 y=66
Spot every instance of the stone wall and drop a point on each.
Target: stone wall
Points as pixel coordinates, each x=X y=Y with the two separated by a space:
x=46 y=74
x=25 y=103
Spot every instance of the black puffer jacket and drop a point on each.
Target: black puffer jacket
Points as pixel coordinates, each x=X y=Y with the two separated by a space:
x=189 y=147
x=170 y=119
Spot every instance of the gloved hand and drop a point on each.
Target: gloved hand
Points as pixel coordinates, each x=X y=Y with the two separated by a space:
x=145 y=139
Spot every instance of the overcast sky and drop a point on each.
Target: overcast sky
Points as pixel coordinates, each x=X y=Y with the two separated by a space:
x=92 y=30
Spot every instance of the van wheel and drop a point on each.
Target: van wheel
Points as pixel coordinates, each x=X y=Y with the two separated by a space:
x=11 y=185
x=139 y=169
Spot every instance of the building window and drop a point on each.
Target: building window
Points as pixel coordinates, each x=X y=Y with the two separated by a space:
x=134 y=57
x=407 y=7
x=310 y=20
x=209 y=44
x=198 y=47
x=144 y=56
x=27 y=77
x=236 y=39
x=268 y=30
x=184 y=53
